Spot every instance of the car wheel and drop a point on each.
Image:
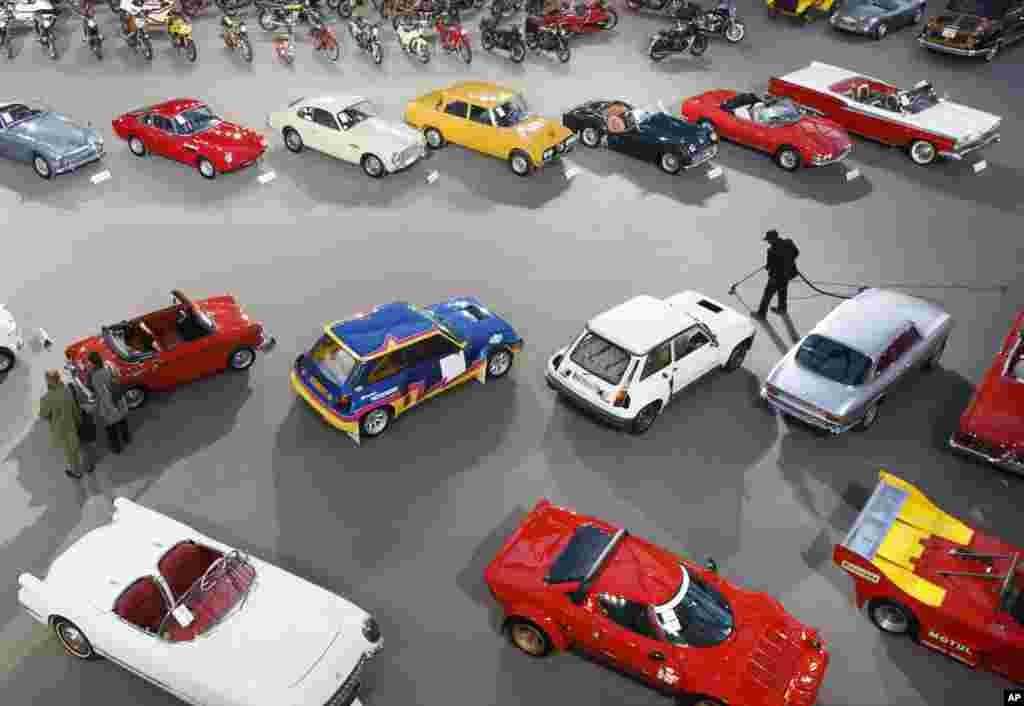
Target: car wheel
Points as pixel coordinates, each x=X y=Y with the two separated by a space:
x=375 y=422
x=788 y=158
x=206 y=168
x=519 y=162
x=293 y=140
x=529 y=638
x=738 y=355
x=137 y=146
x=372 y=166
x=611 y=22
x=869 y=418
x=881 y=30
x=590 y=136
x=434 y=138
x=891 y=617
x=643 y=421
x=922 y=152
x=7 y=360
x=933 y=361
x=993 y=52
x=42 y=167
x=670 y=163
x=72 y=639
x=135 y=397
x=499 y=362
x=242 y=359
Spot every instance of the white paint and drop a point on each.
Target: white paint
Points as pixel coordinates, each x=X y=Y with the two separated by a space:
x=979 y=166
x=432 y=177
x=267 y=177
x=453 y=365
x=852 y=174
x=715 y=172
x=101 y=176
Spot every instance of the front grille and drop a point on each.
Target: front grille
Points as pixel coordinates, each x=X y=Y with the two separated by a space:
x=81 y=156
x=349 y=689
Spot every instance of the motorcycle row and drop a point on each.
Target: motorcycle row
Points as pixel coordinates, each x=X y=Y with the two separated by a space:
x=548 y=27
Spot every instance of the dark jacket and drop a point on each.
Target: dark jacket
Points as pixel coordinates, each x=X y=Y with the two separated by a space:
x=782 y=255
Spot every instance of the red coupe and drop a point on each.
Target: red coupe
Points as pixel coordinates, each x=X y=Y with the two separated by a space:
x=172 y=346
x=992 y=426
x=777 y=126
x=567 y=581
x=186 y=130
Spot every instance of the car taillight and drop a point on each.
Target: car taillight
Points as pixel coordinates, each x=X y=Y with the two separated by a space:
x=343 y=403
x=621 y=399
x=556 y=361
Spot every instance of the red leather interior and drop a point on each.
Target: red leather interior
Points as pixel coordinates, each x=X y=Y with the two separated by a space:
x=142 y=604
x=183 y=564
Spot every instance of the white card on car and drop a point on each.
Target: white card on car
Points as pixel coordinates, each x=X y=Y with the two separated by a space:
x=267 y=177
x=979 y=166
x=715 y=172
x=101 y=176
x=183 y=615
x=852 y=174
x=571 y=172
x=453 y=366
x=432 y=177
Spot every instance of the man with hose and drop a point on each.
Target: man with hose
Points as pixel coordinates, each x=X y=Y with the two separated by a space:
x=781 y=266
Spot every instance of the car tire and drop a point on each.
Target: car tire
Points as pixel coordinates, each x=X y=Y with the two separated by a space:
x=7 y=361
x=738 y=355
x=705 y=123
x=375 y=422
x=72 y=639
x=788 y=158
x=529 y=638
x=206 y=168
x=135 y=397
x=922 y=153
x=869 y=418
x=292 y=140
x=373 y=166
x=519 y=163
x=670 y=163
x=590 y=136
x=644 y=420
x=611 y=22
x=933 y=359
x=137 y=146
x=892 y=617
x=242 y=358
x=499 y=362
x=880 y=31
x=42 y=167
x=435 y=140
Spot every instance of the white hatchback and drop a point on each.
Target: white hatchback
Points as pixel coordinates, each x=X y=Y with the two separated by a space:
x=631 y=360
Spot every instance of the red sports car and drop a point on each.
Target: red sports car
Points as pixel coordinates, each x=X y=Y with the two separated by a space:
x=992 y=426
x=172 y=346
x=777 y=126
x=186 y=130
x=566 y=581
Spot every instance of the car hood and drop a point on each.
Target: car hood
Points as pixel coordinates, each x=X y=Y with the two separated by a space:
x=822 y=135
x=396 y=135
x=666 y=128
x=959 y=21
x=479 y=323
x=541 y=132
x=54 y=131
x=229 y=136
x=954 y=120
x=805 y=386
x=862 y=12
x=997 y=412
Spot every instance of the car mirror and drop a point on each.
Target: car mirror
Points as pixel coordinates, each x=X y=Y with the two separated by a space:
x=711 y=565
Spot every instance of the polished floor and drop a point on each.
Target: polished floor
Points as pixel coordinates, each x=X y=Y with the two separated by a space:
x=404 y=526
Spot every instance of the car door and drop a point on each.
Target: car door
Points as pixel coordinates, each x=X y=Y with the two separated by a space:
x=384 y=377
x=354 y=139
x=189 y=360
x=153 y=134
x=423 y=362
x=631 y=141
x=655 y=382
x=484 y=137
x=147 y=656
x=325 y=134
x=455 y=122
x=694 y=354
x=441 y=360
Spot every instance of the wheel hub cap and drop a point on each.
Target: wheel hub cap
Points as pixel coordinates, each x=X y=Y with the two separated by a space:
x=242 y=358
x=375 y=424
x=5 y=364
x=891 y=619
x=499 y=363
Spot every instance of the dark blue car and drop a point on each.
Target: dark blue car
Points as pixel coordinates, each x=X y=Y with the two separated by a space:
x=367 y=370
x=50 y=142
x=654 y=136
x=876 y=18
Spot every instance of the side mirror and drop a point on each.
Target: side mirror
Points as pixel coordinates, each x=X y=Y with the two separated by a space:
x=711 y=565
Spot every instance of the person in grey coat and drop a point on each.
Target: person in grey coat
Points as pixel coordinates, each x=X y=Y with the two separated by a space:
x=61 y=411
x=110 y=413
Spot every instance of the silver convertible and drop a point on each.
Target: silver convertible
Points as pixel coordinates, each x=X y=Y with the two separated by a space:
x=836 y=377
x=50 y=142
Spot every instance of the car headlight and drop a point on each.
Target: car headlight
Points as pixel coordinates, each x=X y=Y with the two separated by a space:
x=371 y=630
x=549 y=153
x=228 y=157
x=396 y=158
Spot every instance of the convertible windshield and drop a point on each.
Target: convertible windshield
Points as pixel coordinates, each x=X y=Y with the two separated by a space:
x=697 y=616
x=833 y=360
x=334 y=361
x=220 y=588
x=782 y=112
x=984 y=8
x=15 y=113
x=361 y=111
x=512 y=112
x=600 y=357
x=196 y=120
x=919 y=98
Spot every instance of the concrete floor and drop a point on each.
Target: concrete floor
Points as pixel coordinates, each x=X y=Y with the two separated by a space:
x=405 y=525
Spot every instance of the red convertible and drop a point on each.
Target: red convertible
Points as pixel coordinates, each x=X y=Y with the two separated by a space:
x=187 y=131
x=992 y=426
x=777 y=126
x=569 y=581
x=172 y=346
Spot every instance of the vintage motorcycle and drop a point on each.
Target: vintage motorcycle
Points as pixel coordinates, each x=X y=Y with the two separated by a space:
x=90 y=28
x=507 y=39
x=452 y=36
x=324 y=38
x=278 y=15
x=236 y=36
x=553 y=39
x=670 y=6
x=164 y=13
x=133 y=28
x=505 y=8
x=367 y=37
x=412 y=40
x=681 y=38
x=585 y=17
x=192 y=8
x=722 y=21
x=40 y=14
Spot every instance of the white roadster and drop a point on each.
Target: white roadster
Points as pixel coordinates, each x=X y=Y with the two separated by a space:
x=207 y=623
x=10 y=341
x=347 y=128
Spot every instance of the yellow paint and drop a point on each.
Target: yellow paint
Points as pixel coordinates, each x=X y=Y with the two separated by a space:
x=920 y=512
x=327 y=414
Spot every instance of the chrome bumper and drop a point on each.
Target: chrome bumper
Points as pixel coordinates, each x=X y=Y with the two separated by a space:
x=700 y=158
x=834 y=160
x=1005 y=462
x=852 y=29
x=936 y=46
x=804 y=416
x=960 y=153
x=266 y=343
x=65 y=165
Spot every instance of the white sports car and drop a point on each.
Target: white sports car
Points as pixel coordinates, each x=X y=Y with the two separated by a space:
x=347 y=128
x=207 y=623
x=10 y=341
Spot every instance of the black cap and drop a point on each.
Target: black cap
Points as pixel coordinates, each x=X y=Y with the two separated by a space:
x=771 y=235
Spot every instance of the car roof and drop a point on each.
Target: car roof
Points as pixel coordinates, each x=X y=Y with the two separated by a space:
x=821 y=76
x=483 y=93
x=640 y=324
x=174 y=106
x=387 y=328
x=334 y=102
x=888 y=312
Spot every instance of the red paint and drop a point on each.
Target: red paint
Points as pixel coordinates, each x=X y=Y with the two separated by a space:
x=596 y=17
x=759 y=664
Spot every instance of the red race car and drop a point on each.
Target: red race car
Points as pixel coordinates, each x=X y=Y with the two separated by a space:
x=925 y=574
x=992 y=426
x=186 y=130
x=777 y=126
x=172 y=346
x=569 y=581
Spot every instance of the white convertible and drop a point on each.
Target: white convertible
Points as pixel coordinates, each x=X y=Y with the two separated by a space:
x=631 y=360
x=347 y=128
x=207 y=623
x=10 y=341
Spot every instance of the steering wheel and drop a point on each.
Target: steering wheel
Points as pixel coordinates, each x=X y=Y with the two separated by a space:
x=214 y=572
x=182 y=316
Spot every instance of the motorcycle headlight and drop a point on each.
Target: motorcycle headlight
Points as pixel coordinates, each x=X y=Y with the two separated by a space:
x=371 y=630
x=691 y=148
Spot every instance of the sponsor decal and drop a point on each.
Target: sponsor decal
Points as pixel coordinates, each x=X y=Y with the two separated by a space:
x=858 y=571
x=949 y=643
x=373 y=397
x=668 y=675
x=1013 y=696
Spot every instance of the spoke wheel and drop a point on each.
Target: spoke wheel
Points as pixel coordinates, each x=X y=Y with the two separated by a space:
x=466 y=52
x=42 y=167
x=242 y=359
x=529 y=638
x=670 y=163
x=191 y=51
x=434 y=138
x=890 y=617
x=375 y=422
x=518 y=53
x=293 y=140
x=922 y=152
x=735 y=32
x=519 y=164
x=376 y=53
x=146 y=47
x=499 y=363
x=6 y=362
x=206 y=168
x=590 y=136
x=373 y=166
x=72 y=639
x=134 y=397
x=645 y=418
x=137 y=146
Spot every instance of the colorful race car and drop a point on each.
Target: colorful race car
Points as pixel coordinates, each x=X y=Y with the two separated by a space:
x=568 y=581
x=170 y=347
x=793 y=137
x=367 y=370
x=925 y=574
x=992 y=426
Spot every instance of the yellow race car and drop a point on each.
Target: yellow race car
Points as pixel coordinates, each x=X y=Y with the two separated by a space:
x=801 y=8
x=490 y=119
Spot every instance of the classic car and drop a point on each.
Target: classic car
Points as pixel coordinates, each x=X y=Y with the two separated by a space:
x=776 y=126
x=975 y=28
x=208 y=623
x=11 y=341
x=492 y=120
x=838 y=375
x=347 y=128
x=992 y=426
x=172 y=346
x=629 y=362
x=918 y=119
x=569 y=581
x=52 y=143
x=366 y=370
x=876 y=18
x=804 y=9
x=922 y=573
x=188 y=131
x=650 y=135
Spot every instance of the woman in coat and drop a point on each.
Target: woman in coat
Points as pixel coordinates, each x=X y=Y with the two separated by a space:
x=110 y=413
x=62 y=412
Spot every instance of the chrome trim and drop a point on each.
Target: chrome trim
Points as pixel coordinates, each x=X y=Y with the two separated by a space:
x=804 y=415
x=700 y=158
x=959 y=153
x=928 y=44
x=1006 y=462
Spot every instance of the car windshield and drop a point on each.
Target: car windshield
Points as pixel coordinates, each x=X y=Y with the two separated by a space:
x=984 y=8
x=833 y=360
x=511 y=112
x=334 y=361
x=450 y=326
x=15 y=113
x=600 y=357
x=361 y=111
x=219 y=591
x=196 y=120
x=783 y=112
x=919 y=98
x=697 y=616
x=580 y=554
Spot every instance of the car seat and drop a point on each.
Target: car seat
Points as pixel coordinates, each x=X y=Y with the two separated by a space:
x=142 y=604
x=863 y=92
x=615 y=120
x=184 y=564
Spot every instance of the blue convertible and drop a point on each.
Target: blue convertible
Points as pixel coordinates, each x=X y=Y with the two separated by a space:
x=50 y=142
x=876 y=18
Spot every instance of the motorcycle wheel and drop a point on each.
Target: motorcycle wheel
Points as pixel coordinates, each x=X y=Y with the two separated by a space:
x=51 y=47
x=735 y=32
x=564 y=53
x=266 y=20
x=423 y=51
x=97 y=48
x=246 y=48
x=613 y=19
x=376 y=53
x=517 y=52
x=145 y=47
x=191 y=51
x=466 y=52
x=333 y=51
x=487 y=41
x=344 y=8
x=657 y=51
x=531 y=42
x=699 y=44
